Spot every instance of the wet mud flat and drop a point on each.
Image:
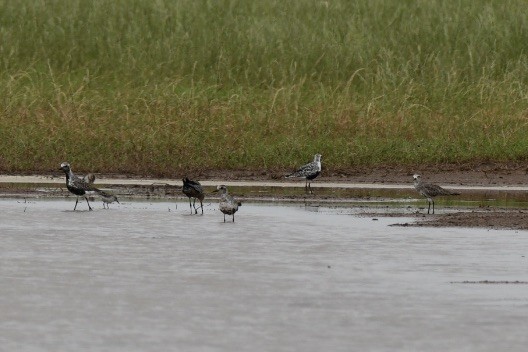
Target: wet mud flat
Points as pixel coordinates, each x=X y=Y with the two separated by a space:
x=484 y=205
x=147 y=276
x=513 y=219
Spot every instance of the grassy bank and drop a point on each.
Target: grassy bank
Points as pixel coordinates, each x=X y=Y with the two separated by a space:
x=166 y=87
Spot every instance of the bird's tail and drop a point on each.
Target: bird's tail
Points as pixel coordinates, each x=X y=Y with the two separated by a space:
x=293 y=174
x=239 y=204
x=98 y=191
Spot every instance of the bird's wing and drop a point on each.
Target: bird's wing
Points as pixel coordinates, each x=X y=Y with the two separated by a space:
x=82 y=184
x=435 y=190
x=305 y=170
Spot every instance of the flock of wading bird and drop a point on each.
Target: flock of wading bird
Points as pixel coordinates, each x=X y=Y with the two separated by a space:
x=84 y=187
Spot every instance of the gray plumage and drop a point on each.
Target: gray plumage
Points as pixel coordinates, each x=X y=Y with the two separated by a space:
x=89 y=178
x=108 y=199
x=77 y=185
x=228 y=205
x=429 y=191
x=309 y=171
x=193 y=189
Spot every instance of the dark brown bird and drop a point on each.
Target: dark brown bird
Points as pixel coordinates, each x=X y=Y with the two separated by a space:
x=193 y=189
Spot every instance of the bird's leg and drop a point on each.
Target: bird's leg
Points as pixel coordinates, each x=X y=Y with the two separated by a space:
x=77 y=201
x=429 y=205
x=87 y=202
x=233 y=217
x=433 y=204
x=201 y=206
x=224 y=217
x=194 y=206
x=190 y=206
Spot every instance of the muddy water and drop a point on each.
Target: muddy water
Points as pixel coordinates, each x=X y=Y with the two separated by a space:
x=149 y=277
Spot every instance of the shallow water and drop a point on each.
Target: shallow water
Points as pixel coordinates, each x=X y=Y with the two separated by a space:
x=147 y=276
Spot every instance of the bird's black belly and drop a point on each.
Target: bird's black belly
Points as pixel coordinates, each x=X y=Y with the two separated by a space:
x=312 y=176
x=76 y=191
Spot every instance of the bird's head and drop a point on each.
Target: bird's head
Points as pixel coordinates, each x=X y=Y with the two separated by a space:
x=65 y=167
x=417 y=177
x=222 y=189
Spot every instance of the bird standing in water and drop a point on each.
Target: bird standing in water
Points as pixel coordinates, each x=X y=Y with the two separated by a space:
x=228 y=205
x=78 y=186
x=193 y=189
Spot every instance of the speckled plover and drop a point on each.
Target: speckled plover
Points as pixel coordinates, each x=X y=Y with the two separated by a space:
x=228 y=205
x=309 y=171
x=429 y=191
x=77 y=186
x=108 y=199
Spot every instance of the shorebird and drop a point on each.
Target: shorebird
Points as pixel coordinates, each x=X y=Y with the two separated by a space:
x=108 y=199
x=89 y=178
x=429 y=190
x=228 y=205
x=309 y=171
x=77 y=186
x=193 y=189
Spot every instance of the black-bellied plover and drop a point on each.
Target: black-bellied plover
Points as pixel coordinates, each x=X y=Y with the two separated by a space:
x=228 y=205
x=309 y=172
x=77 y=186
x=429 y=191
x=193 y=189
x=108 y=199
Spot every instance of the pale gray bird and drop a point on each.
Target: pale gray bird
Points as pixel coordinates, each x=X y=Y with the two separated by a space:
x=309 y=172
x=228 y=205
x=108 y=199
x=429 y=191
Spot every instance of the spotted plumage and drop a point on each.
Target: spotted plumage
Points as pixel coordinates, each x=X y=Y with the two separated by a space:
x=228 y=205
x=193 y=189
x=429 y=191
x=77 y=185
x=108 y=199
x=309 y=171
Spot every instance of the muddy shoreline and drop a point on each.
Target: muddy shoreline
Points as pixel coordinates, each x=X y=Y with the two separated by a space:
x=272 y=190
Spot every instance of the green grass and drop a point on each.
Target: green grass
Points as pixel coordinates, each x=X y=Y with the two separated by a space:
x=166 y=87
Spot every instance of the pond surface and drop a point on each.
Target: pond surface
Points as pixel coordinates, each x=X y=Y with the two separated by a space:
x=147 y=276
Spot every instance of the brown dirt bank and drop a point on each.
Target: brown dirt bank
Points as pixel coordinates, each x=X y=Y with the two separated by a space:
x=481 y=173
x=513 y=219
x=477 y=173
